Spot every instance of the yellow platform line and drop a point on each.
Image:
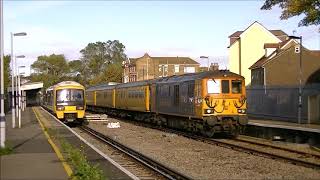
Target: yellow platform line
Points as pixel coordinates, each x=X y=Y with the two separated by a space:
x=65 y=165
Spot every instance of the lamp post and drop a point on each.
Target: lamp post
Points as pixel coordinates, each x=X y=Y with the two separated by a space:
x=13 y=90
x=206 y=57
x=19 y=94
x=17 y=84
x=2 y=114
x=300 y=78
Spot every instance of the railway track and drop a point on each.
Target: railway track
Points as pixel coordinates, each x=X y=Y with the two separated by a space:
x=301 y=158
x=270 y=151
x=134 y=161
x=260 y=149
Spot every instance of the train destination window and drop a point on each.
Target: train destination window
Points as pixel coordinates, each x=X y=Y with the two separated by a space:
x=236 y=86
x=225 y=86
x=213 y=86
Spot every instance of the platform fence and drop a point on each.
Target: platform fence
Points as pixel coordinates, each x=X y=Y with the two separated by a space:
x=279 y=102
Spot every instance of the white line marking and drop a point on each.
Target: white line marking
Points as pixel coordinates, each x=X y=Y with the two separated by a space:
x=94 y=148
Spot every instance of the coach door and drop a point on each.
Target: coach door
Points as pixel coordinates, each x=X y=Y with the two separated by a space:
x=153 y=98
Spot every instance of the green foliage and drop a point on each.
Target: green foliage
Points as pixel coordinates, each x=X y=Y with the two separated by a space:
x=6 y=150
x=102 y=58
x=82 y=169
x=6 y=72
x=7 y=78
x=50 y=69
x=112 y=73
x=311 y=8
x=100 y=63
x=75 y=66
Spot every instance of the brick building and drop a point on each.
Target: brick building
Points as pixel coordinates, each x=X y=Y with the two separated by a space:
x=147 y=67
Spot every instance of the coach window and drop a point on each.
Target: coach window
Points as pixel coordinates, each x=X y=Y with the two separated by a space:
x=236 y=86
x=213 y=86
x=225 y=86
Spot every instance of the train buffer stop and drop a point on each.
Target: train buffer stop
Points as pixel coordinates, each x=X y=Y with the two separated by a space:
x=37 y=155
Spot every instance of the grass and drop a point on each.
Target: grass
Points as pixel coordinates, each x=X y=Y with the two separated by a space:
x=6 y=150
x=82 y=169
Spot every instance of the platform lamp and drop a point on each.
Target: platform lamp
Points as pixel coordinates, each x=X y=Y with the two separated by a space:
x=19 y=93
x=300 y=77
x=206 y=57
x=14 y=70
x=16 y=84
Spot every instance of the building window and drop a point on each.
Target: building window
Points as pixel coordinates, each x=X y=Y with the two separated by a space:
x=189 y=69
x=163 y=70
x=176 y=68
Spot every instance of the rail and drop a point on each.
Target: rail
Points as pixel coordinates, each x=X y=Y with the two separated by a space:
x=146 y=161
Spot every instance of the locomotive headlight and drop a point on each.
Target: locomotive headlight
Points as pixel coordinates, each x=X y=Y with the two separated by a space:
x=60 y=108
x=208 y=111
x=242 y=111
x=79 y=107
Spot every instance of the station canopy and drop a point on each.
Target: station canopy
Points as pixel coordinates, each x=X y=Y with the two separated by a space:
x=29 y=86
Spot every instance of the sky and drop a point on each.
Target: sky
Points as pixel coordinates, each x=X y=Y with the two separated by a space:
x=160 y=28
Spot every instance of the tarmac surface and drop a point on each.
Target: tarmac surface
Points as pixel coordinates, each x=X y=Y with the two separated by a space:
x=34 y=158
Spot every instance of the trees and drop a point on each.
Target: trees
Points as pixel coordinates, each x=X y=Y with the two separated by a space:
x=50 y=69
x=311 y=8
x=101 y=62
x=6 y=72
x=7 y=80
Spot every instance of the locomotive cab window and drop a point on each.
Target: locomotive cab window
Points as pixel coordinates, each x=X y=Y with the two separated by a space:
x=213 y=86
x=225 y=86
x=236 y=86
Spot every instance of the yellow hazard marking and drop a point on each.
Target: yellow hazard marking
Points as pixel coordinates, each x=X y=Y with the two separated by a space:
x=65 y=165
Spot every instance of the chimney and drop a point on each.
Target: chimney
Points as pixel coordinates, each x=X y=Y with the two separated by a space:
x=214 y=67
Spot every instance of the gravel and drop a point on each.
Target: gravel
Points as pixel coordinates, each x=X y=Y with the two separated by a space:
x=201 y=160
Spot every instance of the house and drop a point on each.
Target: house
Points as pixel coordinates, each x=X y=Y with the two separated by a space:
x=247 y=46
x=282 y=66
x=284 y=80
x=148 y=67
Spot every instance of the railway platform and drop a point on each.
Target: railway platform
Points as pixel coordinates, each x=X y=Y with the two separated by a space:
x=315 y=128
x=284 y=131
x=36 y=156
x=32 y=156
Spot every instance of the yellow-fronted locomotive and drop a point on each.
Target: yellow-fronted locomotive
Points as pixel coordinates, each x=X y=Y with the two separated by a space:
x=206 y=102
x=66 y=100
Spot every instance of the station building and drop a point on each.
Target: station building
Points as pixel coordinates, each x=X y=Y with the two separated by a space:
x=30 y=92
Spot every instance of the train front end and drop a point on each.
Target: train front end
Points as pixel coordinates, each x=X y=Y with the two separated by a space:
x=70 y=104
x=224 y=104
